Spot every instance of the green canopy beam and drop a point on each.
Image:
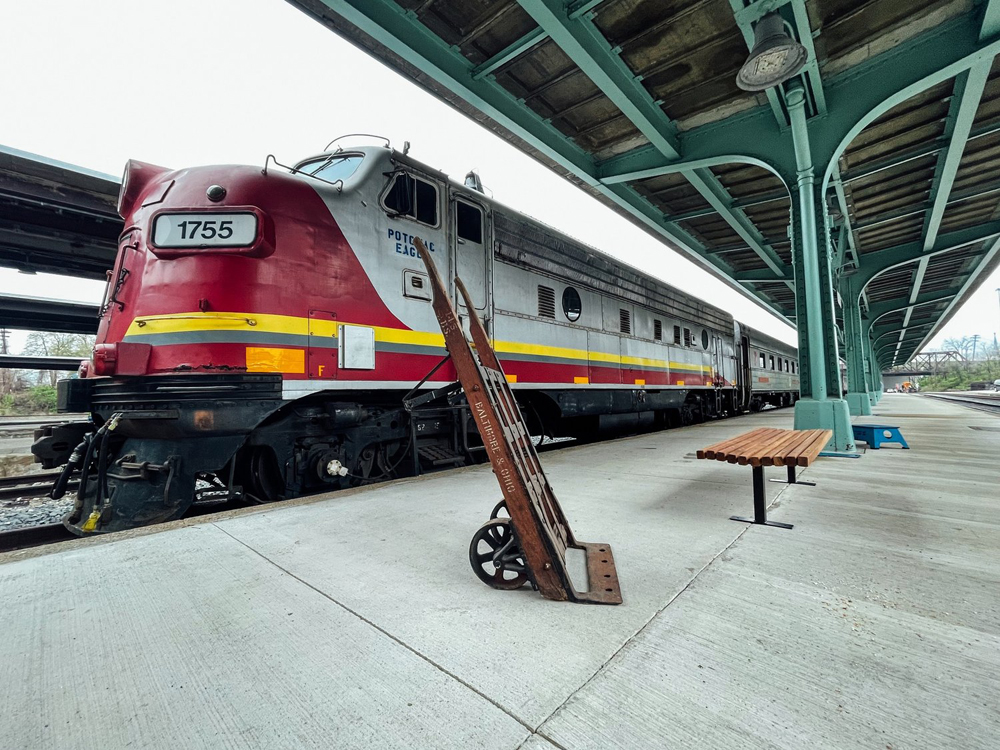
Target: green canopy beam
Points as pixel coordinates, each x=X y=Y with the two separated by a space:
x=876 y=263
x=581 y=41
x=589 y=51
x=512 y=52
x=968 y=92
x=880 y=309
x=895 y=160
x=975 y=278
x=854 y=98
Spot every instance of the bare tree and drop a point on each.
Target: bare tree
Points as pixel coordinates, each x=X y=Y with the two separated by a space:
x=47 y=344
x=962 y=345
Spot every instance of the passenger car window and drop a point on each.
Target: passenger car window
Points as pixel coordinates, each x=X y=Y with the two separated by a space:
x=412 y=197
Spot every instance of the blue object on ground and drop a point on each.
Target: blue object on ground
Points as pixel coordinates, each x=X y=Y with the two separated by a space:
x=876 y=434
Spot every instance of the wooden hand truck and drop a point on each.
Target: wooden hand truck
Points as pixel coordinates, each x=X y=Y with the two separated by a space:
x=530 y=545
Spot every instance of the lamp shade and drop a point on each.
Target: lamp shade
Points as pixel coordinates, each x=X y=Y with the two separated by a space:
x=775 y=56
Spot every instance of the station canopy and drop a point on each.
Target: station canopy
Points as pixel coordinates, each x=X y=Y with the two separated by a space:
x=56 y=218
x=637 y=102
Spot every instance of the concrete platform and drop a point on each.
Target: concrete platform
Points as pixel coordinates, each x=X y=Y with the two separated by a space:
x=355 y=621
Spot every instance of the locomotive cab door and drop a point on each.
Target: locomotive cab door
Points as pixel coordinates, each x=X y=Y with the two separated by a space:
x=471 y=235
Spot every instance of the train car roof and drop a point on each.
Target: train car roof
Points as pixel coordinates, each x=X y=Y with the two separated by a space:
x=757 y=337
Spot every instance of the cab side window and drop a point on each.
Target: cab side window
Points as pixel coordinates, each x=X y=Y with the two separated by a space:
x=413 y=197
x=469 y=223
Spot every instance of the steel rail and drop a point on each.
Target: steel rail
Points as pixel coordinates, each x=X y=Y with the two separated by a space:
x=987 y=404
x=34 y=536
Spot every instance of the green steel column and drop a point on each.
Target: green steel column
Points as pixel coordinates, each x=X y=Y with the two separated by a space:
x=854 y=349
x=821 y=406
x=874 y=371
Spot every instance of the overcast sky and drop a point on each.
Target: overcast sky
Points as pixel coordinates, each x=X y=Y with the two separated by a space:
x=191 y=82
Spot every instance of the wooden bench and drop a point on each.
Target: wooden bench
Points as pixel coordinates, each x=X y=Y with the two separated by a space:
x=769 y=447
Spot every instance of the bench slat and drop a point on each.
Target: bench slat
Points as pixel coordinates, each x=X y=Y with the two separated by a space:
x=805 y=439
x=739 y=447
x=813 y=451
x=734 y=445
x=758 y=453
x=769 y=446
x=722 y=446
x=776 y=452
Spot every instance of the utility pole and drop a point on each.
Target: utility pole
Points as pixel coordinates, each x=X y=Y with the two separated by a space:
x=6 y=375
x=975 y=342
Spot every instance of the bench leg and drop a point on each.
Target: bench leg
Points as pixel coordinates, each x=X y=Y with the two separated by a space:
x=760 y=503
x=791 y=478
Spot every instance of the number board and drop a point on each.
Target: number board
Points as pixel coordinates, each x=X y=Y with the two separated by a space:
x=205 y=230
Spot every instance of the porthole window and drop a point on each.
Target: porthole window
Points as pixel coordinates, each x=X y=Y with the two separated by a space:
x=704 y=339
x=571 y=304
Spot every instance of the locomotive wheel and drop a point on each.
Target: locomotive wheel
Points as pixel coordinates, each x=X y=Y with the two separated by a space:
x=500 y=510
x=496 y=557
x=264 y=476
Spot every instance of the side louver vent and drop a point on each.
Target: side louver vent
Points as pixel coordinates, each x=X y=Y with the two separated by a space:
x=546 y=302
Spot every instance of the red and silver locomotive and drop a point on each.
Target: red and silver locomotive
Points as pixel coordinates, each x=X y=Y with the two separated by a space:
x=269 y=333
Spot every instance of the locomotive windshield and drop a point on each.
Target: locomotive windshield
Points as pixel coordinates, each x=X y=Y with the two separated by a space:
x=331 y=168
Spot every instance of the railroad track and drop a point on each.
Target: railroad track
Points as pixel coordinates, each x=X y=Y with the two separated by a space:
x=986 y=402
x=30 y=485
x=34 y=536
x=38 y=421
x=38 y=485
